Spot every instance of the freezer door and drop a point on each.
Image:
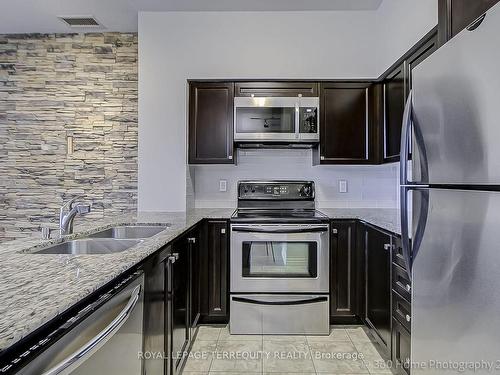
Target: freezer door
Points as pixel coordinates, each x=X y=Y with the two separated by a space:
x=455 y=293
x=456 y=103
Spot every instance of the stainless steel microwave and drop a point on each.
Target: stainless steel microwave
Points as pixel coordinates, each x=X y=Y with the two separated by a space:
x=276 y=119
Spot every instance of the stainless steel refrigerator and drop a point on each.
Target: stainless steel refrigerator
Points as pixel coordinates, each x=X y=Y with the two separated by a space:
x=452 y=131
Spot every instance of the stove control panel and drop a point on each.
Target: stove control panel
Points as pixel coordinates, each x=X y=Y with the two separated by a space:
x=276 y=190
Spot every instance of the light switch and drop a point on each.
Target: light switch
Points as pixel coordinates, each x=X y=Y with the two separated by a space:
x=342 y=186
x=222 y=185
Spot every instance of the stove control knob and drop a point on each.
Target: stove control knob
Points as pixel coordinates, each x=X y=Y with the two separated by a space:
x=305 y=191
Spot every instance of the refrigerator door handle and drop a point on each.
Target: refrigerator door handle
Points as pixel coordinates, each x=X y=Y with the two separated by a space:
x=405 y=237
x=405 y=140
x=410 y=248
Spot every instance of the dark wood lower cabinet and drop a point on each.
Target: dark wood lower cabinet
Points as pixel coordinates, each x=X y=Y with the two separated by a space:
x=401 y=348
x=378 y=284
x=214 y=272
x=345 y=266
x=178 y=298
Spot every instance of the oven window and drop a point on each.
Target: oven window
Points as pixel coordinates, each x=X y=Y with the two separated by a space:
x=280 y=259
x=265 y=120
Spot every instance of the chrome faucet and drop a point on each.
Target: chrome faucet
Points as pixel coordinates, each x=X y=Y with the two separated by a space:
x=67 y=214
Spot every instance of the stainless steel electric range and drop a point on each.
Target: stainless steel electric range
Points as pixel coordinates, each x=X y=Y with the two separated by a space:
x=279 y=260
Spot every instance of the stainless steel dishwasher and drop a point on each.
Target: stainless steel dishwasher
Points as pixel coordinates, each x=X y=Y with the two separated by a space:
x=107 y=341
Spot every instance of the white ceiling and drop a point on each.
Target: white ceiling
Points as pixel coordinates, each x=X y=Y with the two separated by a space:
x=29 y=16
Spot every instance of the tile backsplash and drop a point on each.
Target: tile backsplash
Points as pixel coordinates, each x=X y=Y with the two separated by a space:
x=367 y=186
x=54 y=87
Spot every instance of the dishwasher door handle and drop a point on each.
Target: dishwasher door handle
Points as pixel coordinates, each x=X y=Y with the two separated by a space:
x=74 y=360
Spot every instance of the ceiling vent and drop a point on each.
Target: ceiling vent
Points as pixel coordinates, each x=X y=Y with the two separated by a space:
x=80 y=21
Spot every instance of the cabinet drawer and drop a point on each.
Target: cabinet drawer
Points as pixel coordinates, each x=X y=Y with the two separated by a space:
x=401 y=282
x=401 y=348
x=401 y=310
x=397 y=253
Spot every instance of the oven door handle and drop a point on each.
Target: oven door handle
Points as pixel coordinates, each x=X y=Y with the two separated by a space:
x=287 y=231
x=280 y=303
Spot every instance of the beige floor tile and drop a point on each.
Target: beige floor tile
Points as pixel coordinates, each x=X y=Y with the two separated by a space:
x=359 y=334
x=336 y=358
x=238 y=356
x=200 y=357
x=226 y=336
x=336 y=334
x=194 y=373
x=285 y=338
x=287 y=356
x=208 y=333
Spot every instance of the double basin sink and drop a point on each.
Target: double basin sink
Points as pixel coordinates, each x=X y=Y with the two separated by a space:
x=108 y=241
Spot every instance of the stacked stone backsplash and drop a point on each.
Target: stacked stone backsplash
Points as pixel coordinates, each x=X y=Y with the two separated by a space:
x=57 y=86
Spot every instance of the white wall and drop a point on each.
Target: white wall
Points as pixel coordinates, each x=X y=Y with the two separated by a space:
x=402 y=23
x=176 y=46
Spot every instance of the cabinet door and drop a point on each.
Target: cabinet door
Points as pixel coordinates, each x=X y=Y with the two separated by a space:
x=211 y=123
x=214 y=272
x=343 y=271
x=424 y=51
x=345 y=131
x=194 y=278
x=401 y=347
x=394 y=103
x=378 y=284
x=178 y=297
x=456 y=15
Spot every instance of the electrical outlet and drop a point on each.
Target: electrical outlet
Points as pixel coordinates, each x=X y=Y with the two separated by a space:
x=342 y=186
x=223 y=185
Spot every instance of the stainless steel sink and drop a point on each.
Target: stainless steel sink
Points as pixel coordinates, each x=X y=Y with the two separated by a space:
x=132 y=231
x=90 y=246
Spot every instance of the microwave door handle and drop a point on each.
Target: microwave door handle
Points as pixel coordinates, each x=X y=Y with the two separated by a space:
x=280 y=303
x=74 y=360
x=268 y=230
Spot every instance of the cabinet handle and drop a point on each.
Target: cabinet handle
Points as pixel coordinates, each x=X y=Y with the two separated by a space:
x=334 y=230
x=172 y=258
x=223 y=231
x=230 y=157
x=322 y=157
x=408 y=317
x=387 y=246
x=408 y=287
x=191 y=240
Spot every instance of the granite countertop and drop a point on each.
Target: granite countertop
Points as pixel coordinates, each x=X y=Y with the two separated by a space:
x=35 y=288
x=384 y=218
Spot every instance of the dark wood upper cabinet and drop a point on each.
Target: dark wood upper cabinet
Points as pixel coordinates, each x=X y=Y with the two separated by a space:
x=211 y=123
x=456 y=15
x=285 y=89
x=345 y=124
x=425 y=48
x=397 y=83
x=394 y=103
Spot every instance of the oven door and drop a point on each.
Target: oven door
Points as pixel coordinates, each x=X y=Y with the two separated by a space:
x=283 y=258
